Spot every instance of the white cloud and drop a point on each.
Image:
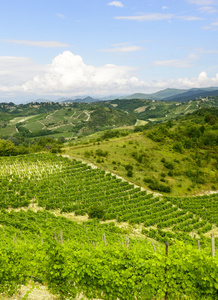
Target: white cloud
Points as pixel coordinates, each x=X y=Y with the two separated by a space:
x=116 y=3
x=123 y=49
x=43 y=44
x=61 y=16
x=189 y=18
x=208 y=9
x=157 y=17
x=17 y=70
x=177 y=63
x=213 y=26
x=203 y=2
x=69 y=74
x=202 y=80
x=209 y=51
x=164 y=7
x=147 y=17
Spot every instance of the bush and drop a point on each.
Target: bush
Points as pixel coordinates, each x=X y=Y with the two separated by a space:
x=96 y=212
x=129 y=173
x=178 y=147
x=100 y=152
x=168 y=165
x=159 y=187
x=128 y=167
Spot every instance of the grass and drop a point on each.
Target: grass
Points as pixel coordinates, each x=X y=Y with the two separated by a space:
x=141 y=122
x=20 y=119
x=9 y=130
x=121 y=153
x=34 y=126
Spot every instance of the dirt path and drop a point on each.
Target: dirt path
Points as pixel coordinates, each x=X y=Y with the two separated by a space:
x=88 y=115
x=39 y=292
x=47 y=117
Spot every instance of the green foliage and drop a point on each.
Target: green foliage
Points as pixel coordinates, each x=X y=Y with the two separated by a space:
x=96 y=211
x=57 y=275
x=82 y=263
x=129 y=173
x=7 y=148
x=177 y=146
x=100 y=152
x=12 y=269
x=116 y=272
x=114 y=133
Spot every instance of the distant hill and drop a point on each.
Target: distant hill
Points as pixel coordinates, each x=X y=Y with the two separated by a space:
x=86 y=116
x=177 y=95
x=87 y=99
x=156 y=96
x=191 y=95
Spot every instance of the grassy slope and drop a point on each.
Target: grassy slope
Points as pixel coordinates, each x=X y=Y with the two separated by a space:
x=192 y=171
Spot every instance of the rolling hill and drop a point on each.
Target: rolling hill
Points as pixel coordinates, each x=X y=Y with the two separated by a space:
x=176 y=95
x=97 y=220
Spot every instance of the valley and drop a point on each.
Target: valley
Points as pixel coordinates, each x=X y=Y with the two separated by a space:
x=93 y=195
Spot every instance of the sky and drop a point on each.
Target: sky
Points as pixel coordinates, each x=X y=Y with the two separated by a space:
x=64 y=48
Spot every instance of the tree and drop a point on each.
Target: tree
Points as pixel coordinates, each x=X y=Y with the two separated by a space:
x=96 y=212
x=7 y=148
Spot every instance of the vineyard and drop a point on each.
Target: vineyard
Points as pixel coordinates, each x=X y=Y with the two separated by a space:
x=104 y=258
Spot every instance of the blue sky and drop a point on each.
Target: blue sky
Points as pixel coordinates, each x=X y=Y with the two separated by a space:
x=53 y=48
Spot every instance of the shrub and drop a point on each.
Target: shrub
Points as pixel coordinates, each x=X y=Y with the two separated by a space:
x=129 y=173
x=178 y=147
x=100 y=152
x=96 y=211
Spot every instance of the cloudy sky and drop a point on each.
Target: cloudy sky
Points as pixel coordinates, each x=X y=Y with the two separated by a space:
x=55 y=48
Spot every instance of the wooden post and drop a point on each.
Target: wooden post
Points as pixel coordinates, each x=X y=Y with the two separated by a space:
x=42 y=241
x=153 y=246
x=127 y=243
x=167 y=252
x=15 y=239
x=199 y=245
x=61 y=236
x=167 y=248
x=212 y=245
x=105 y=242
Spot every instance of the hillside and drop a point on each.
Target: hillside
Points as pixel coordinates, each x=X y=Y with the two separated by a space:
x=70 y=120
x=58 y=119
x=158 y=111
x=116 y=206
x=77 y=229
x=176 y=95
x=177 y=157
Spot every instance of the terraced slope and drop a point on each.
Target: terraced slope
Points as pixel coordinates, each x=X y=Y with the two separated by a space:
x=57 y=183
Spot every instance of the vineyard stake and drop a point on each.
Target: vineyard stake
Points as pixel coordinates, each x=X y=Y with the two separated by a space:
x=167 y=252
x=61 y=236
x=153 y=246
x=199 y=245
x=212 y=245
x=127 y=243
x=54 y=235
x=167 y=248
x=105 y=242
